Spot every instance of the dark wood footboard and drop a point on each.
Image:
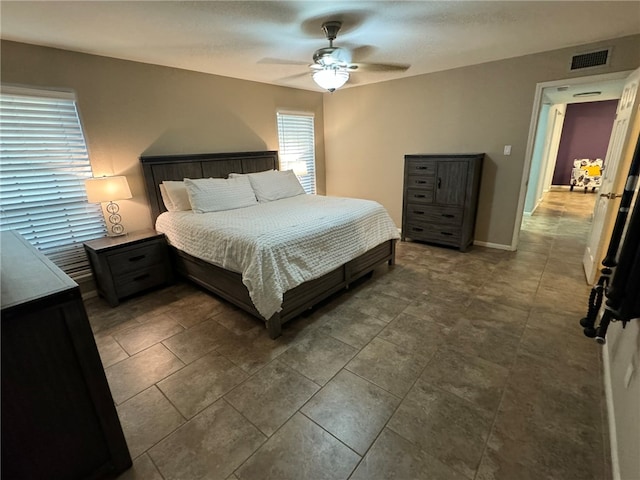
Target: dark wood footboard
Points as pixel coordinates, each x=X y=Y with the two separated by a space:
x=229 y=286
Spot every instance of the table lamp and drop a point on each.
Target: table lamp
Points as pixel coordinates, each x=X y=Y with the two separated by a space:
x=299 y=168
x=109 y=189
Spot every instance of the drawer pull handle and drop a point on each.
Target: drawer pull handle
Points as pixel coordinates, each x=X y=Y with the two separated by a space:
x=421 y=167
x=419 y=196
x=439 y=182
x=416 y=229
x=421 y=182
x=418 y=212
x=448 y=234
x=448 y=215
x=141 y=277
x=136 y=258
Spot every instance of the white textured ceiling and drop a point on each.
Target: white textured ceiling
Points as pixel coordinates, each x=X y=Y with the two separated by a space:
x=246 y=39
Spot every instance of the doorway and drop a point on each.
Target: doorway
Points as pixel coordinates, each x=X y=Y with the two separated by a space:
x=550 y=103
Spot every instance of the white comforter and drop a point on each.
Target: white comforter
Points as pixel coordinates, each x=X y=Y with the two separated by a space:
x=278 y=245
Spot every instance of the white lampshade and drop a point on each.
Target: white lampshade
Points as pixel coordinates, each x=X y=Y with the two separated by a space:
x=330 y=78
x=299 y=167
x=107 y=189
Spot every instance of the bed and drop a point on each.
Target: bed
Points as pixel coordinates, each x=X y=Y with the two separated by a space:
x=228 y=283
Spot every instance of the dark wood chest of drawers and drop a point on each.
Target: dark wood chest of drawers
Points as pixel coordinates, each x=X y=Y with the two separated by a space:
x=440 y=198
x=129 y=264
x=58 y=416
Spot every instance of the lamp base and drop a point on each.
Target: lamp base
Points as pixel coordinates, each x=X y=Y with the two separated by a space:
x=114 y=219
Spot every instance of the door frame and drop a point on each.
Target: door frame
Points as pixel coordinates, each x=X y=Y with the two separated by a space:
x=533 y=125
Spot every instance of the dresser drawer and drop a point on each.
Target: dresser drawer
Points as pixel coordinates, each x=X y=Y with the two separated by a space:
x=135 y=259
x=446 y=234
x=415 y=195
x=435 y=215
x=133 y=282
x=421 y=182
x=421 y=167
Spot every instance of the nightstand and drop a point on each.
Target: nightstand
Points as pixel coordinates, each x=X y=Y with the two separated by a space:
x=129 y=264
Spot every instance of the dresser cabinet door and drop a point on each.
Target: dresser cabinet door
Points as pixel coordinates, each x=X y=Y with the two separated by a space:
x=451 y=183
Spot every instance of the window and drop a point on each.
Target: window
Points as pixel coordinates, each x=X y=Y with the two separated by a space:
x=43 y=165
x=297 y=147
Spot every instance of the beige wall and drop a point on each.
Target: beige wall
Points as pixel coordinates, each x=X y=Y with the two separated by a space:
x=479 y=108
x=129 y=109
x=624 y=361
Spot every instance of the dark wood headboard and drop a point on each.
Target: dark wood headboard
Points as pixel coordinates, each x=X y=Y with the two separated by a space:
x=156 y=169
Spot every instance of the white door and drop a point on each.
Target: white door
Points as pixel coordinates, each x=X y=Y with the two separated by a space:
x=607 y=203
x=553 y=146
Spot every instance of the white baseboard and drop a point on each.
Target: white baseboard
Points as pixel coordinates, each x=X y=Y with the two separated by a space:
x=611 y=417
x=497 y=246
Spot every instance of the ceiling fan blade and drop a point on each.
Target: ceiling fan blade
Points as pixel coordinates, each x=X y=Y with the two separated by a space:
x=378 y=67
x=280 y=61
x=362 y=52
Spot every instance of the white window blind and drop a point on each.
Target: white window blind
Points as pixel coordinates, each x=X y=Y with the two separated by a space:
x=43 y=165
x=297 y=145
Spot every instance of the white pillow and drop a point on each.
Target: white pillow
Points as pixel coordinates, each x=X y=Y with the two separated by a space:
x=168 y=204
x=178 y=196
x=273 y=184
x=217 y=194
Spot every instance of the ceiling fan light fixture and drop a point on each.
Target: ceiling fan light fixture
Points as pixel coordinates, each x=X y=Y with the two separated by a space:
x=330 y=78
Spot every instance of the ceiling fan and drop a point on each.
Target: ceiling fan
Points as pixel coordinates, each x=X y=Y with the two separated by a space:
x=332 y=66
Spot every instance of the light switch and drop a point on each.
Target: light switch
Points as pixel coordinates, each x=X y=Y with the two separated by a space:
x=507 y=149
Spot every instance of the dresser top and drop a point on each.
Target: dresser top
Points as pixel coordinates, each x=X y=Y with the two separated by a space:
x=26 y=274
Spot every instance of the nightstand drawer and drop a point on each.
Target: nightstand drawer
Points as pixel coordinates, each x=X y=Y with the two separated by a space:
x=434 y=215
x=137 y=258
x=139 y=280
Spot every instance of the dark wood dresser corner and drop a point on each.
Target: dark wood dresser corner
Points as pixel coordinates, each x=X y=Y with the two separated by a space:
x=58 y=415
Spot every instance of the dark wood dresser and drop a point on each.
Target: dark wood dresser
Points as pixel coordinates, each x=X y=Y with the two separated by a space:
x=129 y=264
x=58 y=416
x=440 y=198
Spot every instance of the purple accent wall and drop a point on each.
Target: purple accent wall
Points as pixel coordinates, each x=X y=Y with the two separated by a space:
x=585 y=134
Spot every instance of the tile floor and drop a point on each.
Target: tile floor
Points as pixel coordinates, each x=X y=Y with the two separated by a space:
x=448 y=366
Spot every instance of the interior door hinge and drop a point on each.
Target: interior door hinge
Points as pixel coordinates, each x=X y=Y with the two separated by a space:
x=611 y=195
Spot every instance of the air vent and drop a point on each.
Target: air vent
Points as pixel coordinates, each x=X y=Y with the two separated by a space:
x=598 y=58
